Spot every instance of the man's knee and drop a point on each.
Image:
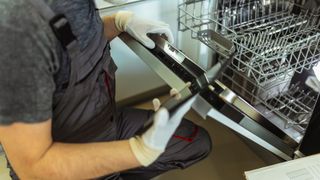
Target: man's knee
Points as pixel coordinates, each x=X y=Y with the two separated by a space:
x=203 y=143
x=189 y=145
x=197 y=142
x=199 y=148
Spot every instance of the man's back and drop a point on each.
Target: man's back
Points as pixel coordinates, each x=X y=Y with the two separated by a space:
x=32 y=62
x=45 y=138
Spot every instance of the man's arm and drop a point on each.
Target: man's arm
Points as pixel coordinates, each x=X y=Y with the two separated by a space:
x=110 y=29
x=34 y=155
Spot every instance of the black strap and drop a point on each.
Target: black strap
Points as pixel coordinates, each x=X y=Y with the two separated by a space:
x=61 y=27
x=58 y=23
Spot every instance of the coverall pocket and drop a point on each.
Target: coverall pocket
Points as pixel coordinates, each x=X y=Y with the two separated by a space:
x=92 y=66
x=110 y=69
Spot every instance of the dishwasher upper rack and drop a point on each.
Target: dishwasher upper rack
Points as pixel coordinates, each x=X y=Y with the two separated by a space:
x=266 y=78
x=270 y=39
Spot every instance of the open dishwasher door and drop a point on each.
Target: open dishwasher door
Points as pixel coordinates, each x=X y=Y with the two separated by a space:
x=277 y=47
x=220 y=104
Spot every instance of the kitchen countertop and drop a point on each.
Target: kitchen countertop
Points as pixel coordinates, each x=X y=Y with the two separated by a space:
x=102 y=4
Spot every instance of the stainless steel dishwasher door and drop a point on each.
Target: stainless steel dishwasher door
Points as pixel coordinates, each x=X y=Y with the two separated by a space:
x=222 y=103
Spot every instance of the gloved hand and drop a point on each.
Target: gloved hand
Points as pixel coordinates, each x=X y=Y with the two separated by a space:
x=139 y=27
x=151 y=144
x=173 y=93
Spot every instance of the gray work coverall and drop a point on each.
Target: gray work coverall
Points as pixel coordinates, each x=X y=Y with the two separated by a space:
x=85 y=111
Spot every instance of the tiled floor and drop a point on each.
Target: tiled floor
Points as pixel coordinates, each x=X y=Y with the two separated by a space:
x=229 y=159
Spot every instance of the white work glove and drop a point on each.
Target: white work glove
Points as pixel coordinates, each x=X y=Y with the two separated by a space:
x=158 y=135
x=151 y=144
x=139 y=27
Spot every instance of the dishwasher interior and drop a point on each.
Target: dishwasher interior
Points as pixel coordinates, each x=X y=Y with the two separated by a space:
x=269 y=90
x=275 y=64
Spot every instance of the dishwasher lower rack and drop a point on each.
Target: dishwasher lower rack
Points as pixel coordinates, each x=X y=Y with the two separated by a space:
x=291 y=102
x=274 y=40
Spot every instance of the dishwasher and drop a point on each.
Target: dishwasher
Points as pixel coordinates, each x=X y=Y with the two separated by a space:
x=268 y=93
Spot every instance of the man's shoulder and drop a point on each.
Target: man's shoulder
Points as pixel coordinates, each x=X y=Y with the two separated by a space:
x=7 y=4
x=27 y=62
x=25 y=33
x=10 y=9
x=17 y=15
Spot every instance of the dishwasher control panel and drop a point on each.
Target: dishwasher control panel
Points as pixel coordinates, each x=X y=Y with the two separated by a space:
x=179 y=63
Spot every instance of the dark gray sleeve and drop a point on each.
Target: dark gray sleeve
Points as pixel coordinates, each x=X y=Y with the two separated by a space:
x=26 y=70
